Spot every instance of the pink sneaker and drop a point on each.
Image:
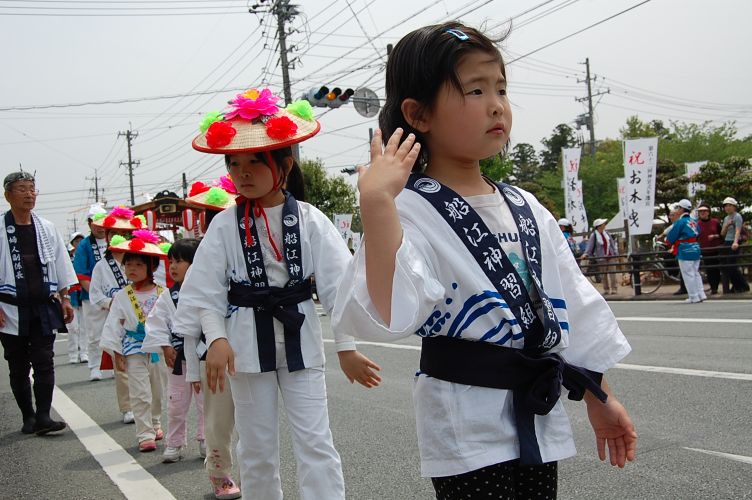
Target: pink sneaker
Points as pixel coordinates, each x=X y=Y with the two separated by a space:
x=224 y=488
x=147 y=445
x=158 y=434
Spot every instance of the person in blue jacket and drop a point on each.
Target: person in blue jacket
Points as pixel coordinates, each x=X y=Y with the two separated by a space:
x=89 y=251
x=683 y=238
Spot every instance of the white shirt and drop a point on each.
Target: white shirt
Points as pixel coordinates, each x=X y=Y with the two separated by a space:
x=122 y=317
x=462 y=428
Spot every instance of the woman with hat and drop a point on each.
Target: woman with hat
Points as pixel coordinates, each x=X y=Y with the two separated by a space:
x=683 y=238
x=567 y=230
x=732 y=278
x=603 y=247
x=265 y=331
x=124 y=333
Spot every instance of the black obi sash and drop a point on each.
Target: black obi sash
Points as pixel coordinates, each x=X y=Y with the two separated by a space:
x=269 y=302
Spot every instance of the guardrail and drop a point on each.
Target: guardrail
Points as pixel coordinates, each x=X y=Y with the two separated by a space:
x=648 y=271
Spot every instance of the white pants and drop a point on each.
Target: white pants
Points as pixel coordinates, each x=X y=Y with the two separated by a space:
x=94 y=318
x=219 y=425
x=145 y=388
x=256 y=419
x=690 y=270
x=78 y=338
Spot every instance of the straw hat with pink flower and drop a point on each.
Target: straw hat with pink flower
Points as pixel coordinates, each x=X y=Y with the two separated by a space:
x=218 y=196
x=254 y=122
x=142 y=242
x=120 y=218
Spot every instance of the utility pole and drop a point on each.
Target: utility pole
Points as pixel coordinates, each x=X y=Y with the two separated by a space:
x=589 y=99
x=129 y=136
x=284 y=12
x=185 y=186
x=96 y=186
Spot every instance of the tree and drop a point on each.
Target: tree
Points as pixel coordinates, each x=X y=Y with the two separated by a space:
x=497 y=168
x=331 y=195
x=732 y=177
x=670 y=184
x=525 y=163
x=562 y=137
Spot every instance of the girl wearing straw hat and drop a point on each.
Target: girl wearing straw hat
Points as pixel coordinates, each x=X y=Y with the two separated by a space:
x=124 y=333
x=265 y=331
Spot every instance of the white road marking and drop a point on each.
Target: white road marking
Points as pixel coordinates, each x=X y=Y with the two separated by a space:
x=682 y=320
x=643 y=368
x=132 y=479
x=738 y=458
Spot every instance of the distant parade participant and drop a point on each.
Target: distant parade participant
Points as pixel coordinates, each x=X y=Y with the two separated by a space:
x=107 y=279
x=162 y=339
x=77 y=334
x=219 y=410
x=250 y=286
x=125 y=330
x=732 y=279
x=603 y=247
x=35 y=275
x=683 y=238
x=88 y=253
x=567 y=230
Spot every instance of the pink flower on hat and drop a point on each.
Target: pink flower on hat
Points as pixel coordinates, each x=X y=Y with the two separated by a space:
x=253 y=104
x=122 y=212
x=225 y=182
x=146 y=235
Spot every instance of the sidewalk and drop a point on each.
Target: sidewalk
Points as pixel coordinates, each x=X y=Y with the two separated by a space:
x=666 y=292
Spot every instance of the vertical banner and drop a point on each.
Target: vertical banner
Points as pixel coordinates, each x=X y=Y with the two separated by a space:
x=692 y=170
x=640 y=161
x=573 y=202
x=356 y=239
x=621 y=186
x=343 y=223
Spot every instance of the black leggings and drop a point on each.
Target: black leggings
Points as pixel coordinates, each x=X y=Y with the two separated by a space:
x=504 y=481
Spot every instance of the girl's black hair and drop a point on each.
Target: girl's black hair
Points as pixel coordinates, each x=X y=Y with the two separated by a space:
x=183 y=249
x=151 y=262
x=421 y=63
x=293 y=180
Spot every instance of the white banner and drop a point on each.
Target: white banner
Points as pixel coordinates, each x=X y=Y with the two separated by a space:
x=576 y=209
x=621 y=186
x=570 y=158
x=692 y=170
x=343 y=223
x=356 y=239
x=640 y=161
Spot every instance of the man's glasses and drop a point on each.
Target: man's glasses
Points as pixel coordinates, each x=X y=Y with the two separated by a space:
x=33 y=191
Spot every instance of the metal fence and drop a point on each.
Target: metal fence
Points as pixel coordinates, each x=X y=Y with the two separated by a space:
x=646 y=272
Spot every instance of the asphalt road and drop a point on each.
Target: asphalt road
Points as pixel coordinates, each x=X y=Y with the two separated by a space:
x=704 y=405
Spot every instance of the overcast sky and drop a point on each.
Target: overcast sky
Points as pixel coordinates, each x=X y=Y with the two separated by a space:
x=668 y=59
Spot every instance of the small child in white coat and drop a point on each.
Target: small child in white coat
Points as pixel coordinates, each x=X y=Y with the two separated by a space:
x=124 y=333
x=160 y=338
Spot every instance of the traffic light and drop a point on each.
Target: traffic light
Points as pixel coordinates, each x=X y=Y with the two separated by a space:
x=322 y=97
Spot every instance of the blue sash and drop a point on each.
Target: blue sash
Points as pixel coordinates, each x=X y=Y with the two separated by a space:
x=254 y=263
x=115 y=268
x=49 y=310
x=539 y=336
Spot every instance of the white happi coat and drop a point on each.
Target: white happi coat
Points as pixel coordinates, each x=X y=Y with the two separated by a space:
x=103 y=285
x=121 y=317
x=220 y=258
x=439 y=288
x=159 y=324
x=52 y=251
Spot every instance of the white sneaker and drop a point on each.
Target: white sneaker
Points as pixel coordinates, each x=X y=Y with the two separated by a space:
x=96 y=374
x=172 y=455
x=128 y=417
x=202 y=449
x=83 y=358
x=73 y=361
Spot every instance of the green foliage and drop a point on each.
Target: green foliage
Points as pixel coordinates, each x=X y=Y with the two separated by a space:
x=525 y=163
x=562 y=137
x=732 y=177
x=331 y=195
x=670 y=184
x=496 y=168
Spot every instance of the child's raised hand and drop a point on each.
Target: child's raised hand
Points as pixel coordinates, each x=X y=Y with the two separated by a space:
x=389 y=168
x=219 y=358
x=357 y=367
x=612 y=425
